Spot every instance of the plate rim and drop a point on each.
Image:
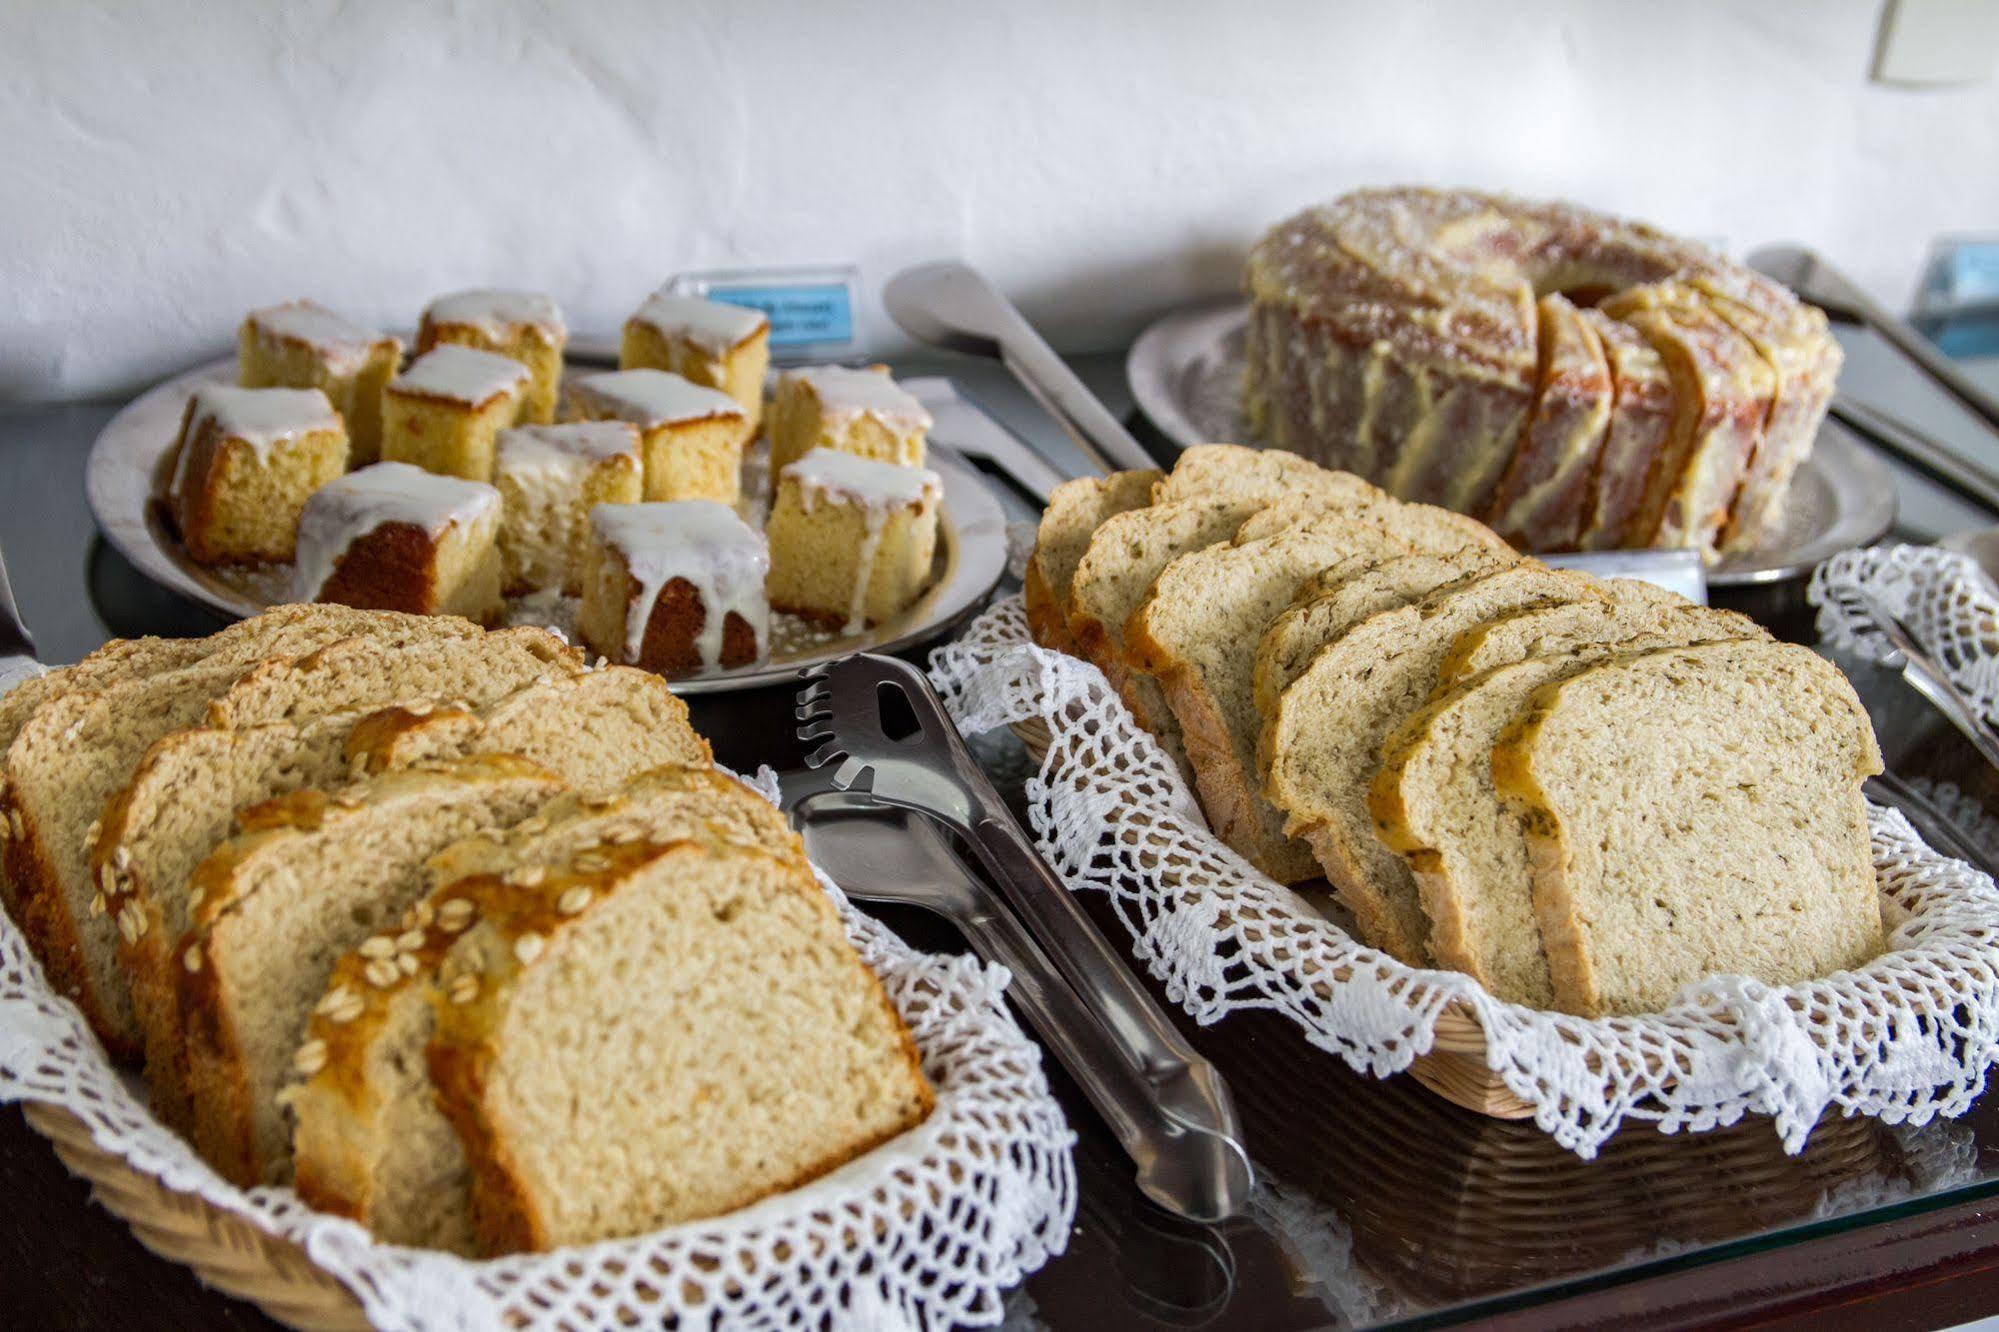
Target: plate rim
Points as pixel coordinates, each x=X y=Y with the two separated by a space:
x=1862 y=483
x=973 y=522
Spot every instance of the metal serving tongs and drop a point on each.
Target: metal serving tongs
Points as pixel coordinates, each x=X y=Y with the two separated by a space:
x=951 y=305
x=1921 y=670
x=1167 y=1105
x=17 y=646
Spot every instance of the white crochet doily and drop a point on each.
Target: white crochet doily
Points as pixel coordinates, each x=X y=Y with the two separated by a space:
x=1945 y=599
x=1905 y=1038
x=927 y=1231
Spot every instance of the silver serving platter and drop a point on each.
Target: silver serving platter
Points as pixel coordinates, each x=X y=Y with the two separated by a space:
x=131 y=459
x=1185 y=371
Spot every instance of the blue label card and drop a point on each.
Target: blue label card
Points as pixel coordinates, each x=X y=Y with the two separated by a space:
x=812 y=311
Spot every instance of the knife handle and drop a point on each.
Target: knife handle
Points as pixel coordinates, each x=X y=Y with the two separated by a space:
x=1202 y=1147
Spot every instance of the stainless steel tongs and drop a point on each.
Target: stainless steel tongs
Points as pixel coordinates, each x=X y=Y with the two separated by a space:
x=1167 y=1105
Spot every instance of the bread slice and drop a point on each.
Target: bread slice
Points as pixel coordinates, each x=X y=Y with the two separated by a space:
x=1693 y=811
x=1076 y=509
x=1423 y=526
x=1434 y=801
x=182 y=797
x=1196 y=632
x=1340 y=598
x=1206 y=469
x=369 y=1139
x=1550 y=631
x=312 y=874
x=660 y=1033
x=593 y=730
x=1324 y=739
x=79 y=748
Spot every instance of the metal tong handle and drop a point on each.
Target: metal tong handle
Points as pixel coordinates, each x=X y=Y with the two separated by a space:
x=1921 y=670
x=1200 y=1145
x=951 y=304
x=1070 y=1027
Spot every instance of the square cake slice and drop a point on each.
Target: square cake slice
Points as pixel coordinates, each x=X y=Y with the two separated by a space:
x=395 y=537
x=675 y=587
x=862 y=412
x=694 y=436
x=714 y=344
x=523 y=325
x=302 y=345
x=851 y=539
x=549 y=478
x=247 y=460
x=444 y=412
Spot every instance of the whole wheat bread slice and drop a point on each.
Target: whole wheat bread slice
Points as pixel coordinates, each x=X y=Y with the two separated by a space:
x=1693 y=811
x=1323 y=741
x=1195 y=632
x=1076 y=509
x=1434 y=801
x=608 y=1070
x=312 y=875
x=369 y=1139
x=1207 y=469
x=80 y=747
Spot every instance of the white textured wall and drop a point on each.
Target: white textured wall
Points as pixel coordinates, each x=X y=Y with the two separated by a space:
x=167 y=165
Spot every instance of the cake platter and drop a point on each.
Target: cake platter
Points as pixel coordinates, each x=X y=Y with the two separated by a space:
x=132 y=457
x=1185 y=372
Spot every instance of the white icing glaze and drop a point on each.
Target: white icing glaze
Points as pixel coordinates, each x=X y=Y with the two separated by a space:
x=343 y=345
x=650 y=398
x=878 y=489
x=723 y=557
x=386 y=492
x=571 y=444
x=715 y=328
x=460 y=374
x=844 y=393
x=260 y=417
x=496 y=313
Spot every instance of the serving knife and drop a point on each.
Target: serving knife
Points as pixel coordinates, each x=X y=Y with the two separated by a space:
x=1921 y=670
x=883 y=734
x=951 y=305
x=17 y=646
x=961 y=422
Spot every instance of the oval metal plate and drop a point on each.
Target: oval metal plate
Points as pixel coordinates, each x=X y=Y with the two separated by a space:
x=1185 y=372
x=127 y=473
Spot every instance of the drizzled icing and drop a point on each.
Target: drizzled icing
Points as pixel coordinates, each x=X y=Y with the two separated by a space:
x=845 y=393
x=649 y=398
x=342 y=344
x=877 y=489
x=720 y=555
x=571 y=444
x=715 y=328
x=460 y=374
x=387 y=492
x=495 y=313
x=260 y=417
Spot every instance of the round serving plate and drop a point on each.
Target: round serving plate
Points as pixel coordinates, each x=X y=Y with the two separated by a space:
x=130 y=462
x=1186 y=369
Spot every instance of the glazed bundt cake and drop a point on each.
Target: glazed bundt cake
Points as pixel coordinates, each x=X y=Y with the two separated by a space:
x=1477 y=351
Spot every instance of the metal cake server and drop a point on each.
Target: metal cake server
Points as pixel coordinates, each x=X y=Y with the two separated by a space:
x=951 y=305
x=17 y=646
x=1921 y=670
x=883 y=734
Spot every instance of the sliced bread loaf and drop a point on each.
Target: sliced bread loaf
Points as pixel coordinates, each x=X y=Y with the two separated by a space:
x=1324 y=739
x=312 y=875
x=660 y=1033
x=1340 y=598
x=1196 y=633
x=369 y=1139
x=593 y=730
x=1693 y=811
x=79 y=748
x=1076 y=509
x=1434 y=801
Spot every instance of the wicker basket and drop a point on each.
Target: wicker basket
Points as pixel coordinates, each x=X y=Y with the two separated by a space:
x=1455 y=1067
x=226 y=1251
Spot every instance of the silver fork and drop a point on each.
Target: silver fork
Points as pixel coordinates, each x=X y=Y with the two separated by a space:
x=1167 y=1104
